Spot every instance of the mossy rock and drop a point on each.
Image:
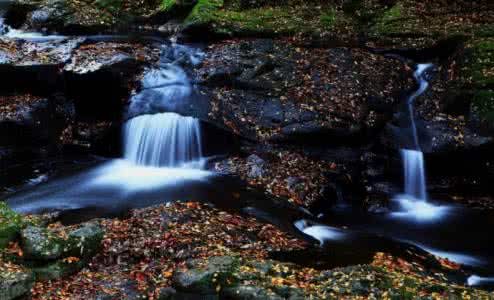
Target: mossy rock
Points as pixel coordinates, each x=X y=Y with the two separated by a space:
x=58 y=269
x=269 y=21
x=85 y=241
x=10 y=225
x=15 y=284
x=41 y=244
x=204 y=12
x=206 y=276
x=177 y=6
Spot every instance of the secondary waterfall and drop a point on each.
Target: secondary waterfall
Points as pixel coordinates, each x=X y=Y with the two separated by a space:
x=162 y=140
x=414 y=200
x=413 y=159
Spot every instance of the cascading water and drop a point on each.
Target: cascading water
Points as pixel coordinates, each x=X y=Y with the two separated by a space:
x=162 y=160
x=162 y=140
x=413 y=159
x=414 y=174
x=414 y=200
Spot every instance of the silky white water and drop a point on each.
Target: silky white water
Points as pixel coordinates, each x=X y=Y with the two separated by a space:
x=414 y=173
x=413 y=201
x=162 y=158
x=162 y=140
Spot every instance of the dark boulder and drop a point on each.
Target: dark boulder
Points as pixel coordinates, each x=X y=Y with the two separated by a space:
x=268 y=90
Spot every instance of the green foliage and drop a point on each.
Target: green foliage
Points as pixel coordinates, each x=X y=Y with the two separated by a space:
x=168 y=4
x=10 y=225
x=389 y=21
x=328 y=20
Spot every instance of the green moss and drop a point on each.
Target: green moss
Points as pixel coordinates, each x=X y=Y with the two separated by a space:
x=482 y=67
x=389 y=22
x=204 y=11
x=268 y=20
x=11 y=224
x=265 y=21
x=483 y=103
x=168 y=4
x=328 y=20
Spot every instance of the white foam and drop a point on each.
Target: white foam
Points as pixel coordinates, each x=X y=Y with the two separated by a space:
x=31 y=36
x=129 y=177
x=418 y=210
x=455 y=257
x=320 y=232
x=477 y=280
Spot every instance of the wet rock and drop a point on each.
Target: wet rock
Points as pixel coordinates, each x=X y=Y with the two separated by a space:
x=41 y=244
x=31 y=126
x=204 y=277
x=109 y=69
x=167 y=294
x=378 y=208
x=34 y=67
x=260 y=90
x=256 y=165
x=442 y=134
x=30 y=120
x=51 y=14
x=15 y=284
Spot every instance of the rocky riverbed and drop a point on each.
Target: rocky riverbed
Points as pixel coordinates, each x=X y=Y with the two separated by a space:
x=302 y=100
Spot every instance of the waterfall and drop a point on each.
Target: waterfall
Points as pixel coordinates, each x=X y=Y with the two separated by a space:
x=413 y=160
x=423 y=85
x=414 y=173
x=156 y=139
x=414 y=200
x=162 y=140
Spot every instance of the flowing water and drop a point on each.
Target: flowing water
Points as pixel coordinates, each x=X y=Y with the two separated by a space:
x=413 y=202
x=163 y=162
x=163 y=140
x=446 y=231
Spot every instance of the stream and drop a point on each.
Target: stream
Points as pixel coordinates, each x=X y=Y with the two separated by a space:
x=163 y=161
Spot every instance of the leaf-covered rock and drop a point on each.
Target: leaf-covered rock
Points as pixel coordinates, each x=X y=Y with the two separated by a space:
x=41 y=244
x=15 y=282
x=206 y=277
